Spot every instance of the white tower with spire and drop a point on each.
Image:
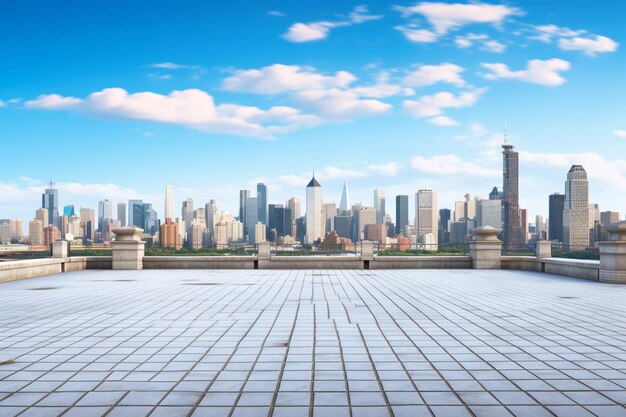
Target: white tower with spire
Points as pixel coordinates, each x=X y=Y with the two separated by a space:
x=314 y=212
x=169 y=202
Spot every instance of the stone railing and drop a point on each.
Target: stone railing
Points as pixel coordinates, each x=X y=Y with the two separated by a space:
x=485 y=253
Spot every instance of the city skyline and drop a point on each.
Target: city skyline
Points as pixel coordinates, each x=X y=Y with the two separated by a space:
x=383 y=95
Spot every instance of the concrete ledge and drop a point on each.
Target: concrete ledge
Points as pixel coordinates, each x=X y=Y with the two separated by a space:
x=521 y=263
x=577 y=268
x=14 y=270
x=421 y=262
x=199 y=262
x=312 y=262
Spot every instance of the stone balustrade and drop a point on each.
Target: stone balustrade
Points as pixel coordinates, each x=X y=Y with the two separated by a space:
x=613 y=254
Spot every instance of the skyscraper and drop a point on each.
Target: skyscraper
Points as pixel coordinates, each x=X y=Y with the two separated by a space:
x=88 y=222
x=35 y=232
x=510 y=199
x=330 y=211
x=244 y=195
x=210 y=213
x=276 y=221
x=121 y=213
x=576 y=212
x=135 y=213
x=314 y=220
x=169 y=202
x=105 y=210
x=69 y=210
x=50 y=201
x=187 y=216
x=427 y=218
x=252 y=217
x=555 y=216
x=444 y=226
x=489 y=213
x=379 y=205
x=402 y=213
x=345 y=198
x=42 y=215
x=261 y=193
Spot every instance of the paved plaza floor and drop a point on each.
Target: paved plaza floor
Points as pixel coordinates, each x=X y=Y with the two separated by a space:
x=404 y=343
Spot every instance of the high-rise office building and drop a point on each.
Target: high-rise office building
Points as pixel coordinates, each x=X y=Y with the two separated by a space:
x=402 y=213
x=50 y=201
x=69 y=210
x=427 y=217
x=314 y=219
x=105 y=211
x=88 y=223
x=489 y=213
x=252 y=218
x=244 y=195
x=187 y=217
x=512 y=227
x=211 y=217
x=169 y=202
x=150 y=218
x=42 y=215
x=361 y=217
x=51 y=233
x=330 y=211
x=444 y=225
x=169 y=235
x=121 y=213
x=276 y=221
x=261 y=193
x=344 y=204
x=35 y=232
x=295 y=206
x=379 y=205
x=135 y=213
x=555 y=216
x=576 y=212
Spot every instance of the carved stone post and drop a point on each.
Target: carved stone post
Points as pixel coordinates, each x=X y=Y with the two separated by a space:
x=128 y=248
x=486 y=248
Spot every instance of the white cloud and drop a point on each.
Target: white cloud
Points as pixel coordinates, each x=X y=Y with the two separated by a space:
x=275 y=13
x=314 y=31
x=331 y=173
x=336 y=104
x=589 y=46
x=451 y=165
x=620 y=133
x=537 y=71
x=192 y=108
x=2 y=103
x=382 y=88
x=431 y=74
x=168 y=65
x=390 y=169
x=431 y=106
x=597 y=166
x=445 y=17
x=442 y=121
x=414 y=34
x=487 y=44
x=279 y=78
x=575 y=40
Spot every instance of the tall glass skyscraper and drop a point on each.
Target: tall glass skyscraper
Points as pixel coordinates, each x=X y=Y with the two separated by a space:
x=555 y=217
x=510 y=198
x=576 y=212
x=261 y=193
x=402 y=213
x=50 y=201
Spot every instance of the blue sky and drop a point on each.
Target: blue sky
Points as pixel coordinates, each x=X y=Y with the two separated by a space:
x=117 y=99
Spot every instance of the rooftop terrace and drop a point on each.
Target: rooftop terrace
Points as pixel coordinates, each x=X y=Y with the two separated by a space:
x=312 y=343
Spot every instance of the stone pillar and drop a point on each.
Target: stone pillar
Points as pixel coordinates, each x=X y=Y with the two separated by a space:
x=128 y=248
x=264 y=251
x=543 y=249
x=367 y=250
x=59 y=249
x=486 y=248
x=613 y=255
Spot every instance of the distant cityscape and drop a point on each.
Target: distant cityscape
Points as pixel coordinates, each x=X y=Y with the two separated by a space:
x=572 y=222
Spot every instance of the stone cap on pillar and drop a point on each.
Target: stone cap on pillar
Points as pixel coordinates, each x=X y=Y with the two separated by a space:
x=617 y=231
x=128 y=233
x=486 y=233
